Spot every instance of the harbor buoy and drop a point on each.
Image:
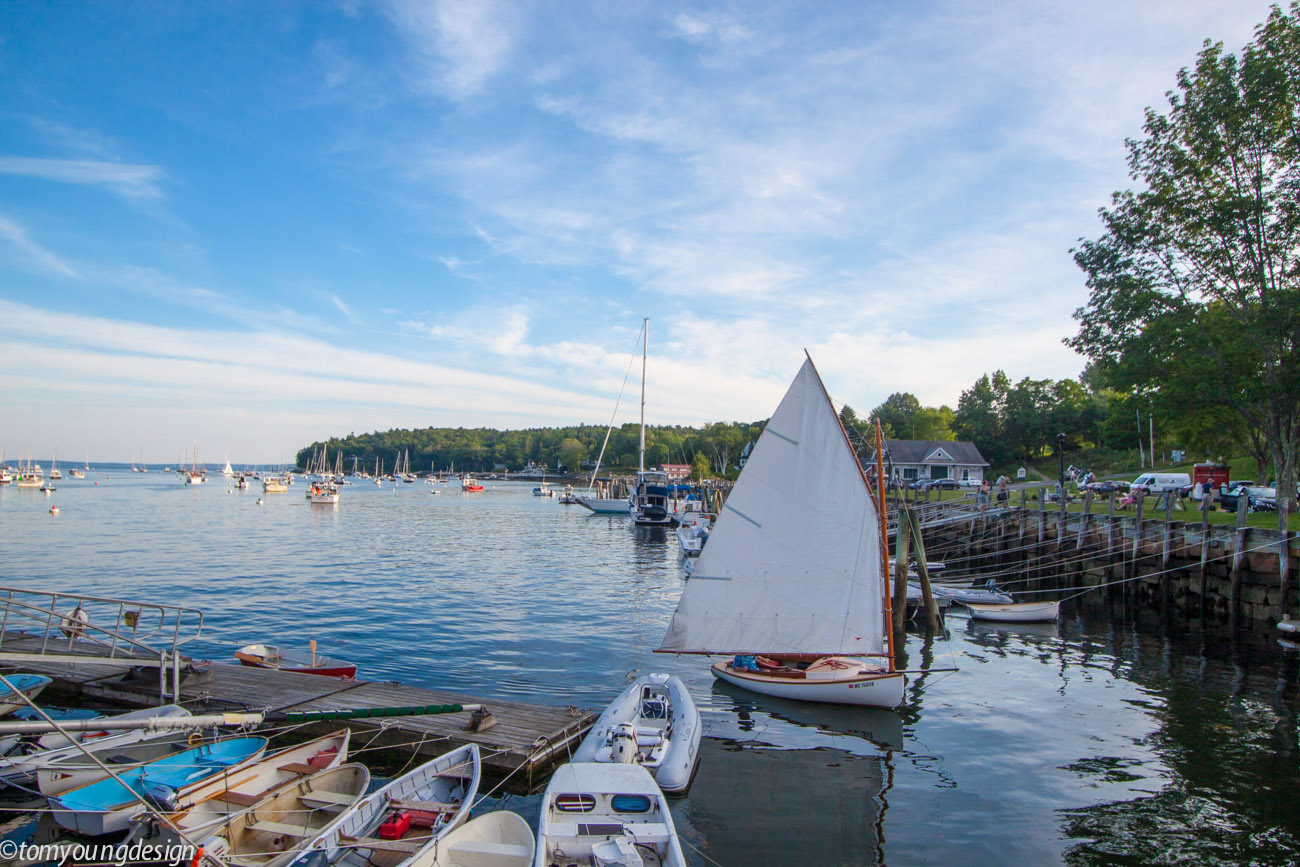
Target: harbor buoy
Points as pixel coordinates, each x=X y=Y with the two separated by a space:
x=259 y=501
x=54 y=510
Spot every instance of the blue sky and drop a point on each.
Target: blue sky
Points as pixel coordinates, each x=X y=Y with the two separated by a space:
x=253 y=225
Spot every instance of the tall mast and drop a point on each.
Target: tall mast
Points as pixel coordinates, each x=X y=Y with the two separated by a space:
x=884 y=540
x=645 y=339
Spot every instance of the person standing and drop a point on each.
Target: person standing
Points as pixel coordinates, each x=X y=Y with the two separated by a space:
x=983 y=496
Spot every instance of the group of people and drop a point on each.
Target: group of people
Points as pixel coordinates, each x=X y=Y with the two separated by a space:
x=1004 y=492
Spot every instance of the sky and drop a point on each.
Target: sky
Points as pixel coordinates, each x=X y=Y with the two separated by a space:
x=250 y=226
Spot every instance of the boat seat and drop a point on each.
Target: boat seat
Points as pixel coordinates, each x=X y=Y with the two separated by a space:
x=281 y=829
x=301 y=768
x=649 y=736
x=423 y=806
x=378 y=844
x=486 y=853
x=239 y=798
x=328 y=799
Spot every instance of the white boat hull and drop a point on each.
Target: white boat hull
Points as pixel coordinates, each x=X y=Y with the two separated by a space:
x=868 y=690
x=500 y=839
x=604 y=507
x=670 y=760
x=1017 y=612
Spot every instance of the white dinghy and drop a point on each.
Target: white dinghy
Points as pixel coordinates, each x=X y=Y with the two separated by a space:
x=606 y=814
x=500 y=839
x=792 y=581
x=400 y=823
x=1016 y=612
x=653 y=723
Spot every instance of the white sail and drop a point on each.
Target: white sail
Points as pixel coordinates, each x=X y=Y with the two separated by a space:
x=793 y=562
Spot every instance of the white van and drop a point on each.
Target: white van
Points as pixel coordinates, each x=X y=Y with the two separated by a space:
x=1158 y=483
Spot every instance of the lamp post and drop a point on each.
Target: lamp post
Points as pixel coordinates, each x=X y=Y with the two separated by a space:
x=1060 y=453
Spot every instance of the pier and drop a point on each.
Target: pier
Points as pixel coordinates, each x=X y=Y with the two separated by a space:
x=525 y=740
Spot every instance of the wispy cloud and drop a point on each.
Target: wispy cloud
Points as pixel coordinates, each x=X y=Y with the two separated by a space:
x=17 y=235
x=136 y=182
x=461 y=44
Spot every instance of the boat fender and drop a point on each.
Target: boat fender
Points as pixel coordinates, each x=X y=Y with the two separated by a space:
x=195 y=739
x=75 y=623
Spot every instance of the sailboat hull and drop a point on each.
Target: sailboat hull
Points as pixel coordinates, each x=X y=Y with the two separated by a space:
x=869 y=690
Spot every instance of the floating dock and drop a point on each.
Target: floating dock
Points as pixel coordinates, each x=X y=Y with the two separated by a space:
x=525 y=741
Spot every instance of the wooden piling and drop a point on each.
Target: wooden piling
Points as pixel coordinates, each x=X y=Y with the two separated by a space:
x=1205 y=553
x=923 y=570
x=902 y=539
x=1238 y=557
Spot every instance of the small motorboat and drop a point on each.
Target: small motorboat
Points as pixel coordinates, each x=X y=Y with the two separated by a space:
x=106 y=807
x=569 y=498
x=653 y=723
x=500 y=839
x=270 y=656
x=402 y=822
x=598 y=813
x=1016 y=612
x=19 y=685
x=52 y=751
x=272 y=831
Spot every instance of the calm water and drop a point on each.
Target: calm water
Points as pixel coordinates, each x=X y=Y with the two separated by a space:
x=1090 y=742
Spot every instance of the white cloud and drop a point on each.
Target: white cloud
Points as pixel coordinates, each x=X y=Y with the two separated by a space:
x=136 y=182
x=17 y=236
x=462 y=44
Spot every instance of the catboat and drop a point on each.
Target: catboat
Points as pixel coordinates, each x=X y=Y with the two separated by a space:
x=29 y=685
x=1016 y=612
x=792 y=582
x=272 y=831
x=500 y=839
x=606 y=814
x=107 y=806
x=653 y=723
x=400 y=823
x=270 y=656
x=211 y=808
x=54 y=748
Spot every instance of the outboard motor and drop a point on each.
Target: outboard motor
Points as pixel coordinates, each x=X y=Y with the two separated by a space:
x=623 y=744
x=162 y=798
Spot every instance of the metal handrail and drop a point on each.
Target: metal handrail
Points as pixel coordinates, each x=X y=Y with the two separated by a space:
x=134 y=626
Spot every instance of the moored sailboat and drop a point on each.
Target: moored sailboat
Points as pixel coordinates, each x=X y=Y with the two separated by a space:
x=792 y=583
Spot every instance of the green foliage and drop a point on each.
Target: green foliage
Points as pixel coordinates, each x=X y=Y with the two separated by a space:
x=1194 y=291
x=575 y=448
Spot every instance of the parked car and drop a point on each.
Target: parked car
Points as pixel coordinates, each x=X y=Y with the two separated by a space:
x=1107 y=487
x=969 y=483
x=1160 y=482
x=1258 y=497
x=943 y=485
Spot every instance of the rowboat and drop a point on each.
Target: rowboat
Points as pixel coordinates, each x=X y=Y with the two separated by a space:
x=606 y=814
x=29 y=685
x=1016 y=612
x=53 y=748
x=270 y=656
x=74 y=769
x=107 y=806
x=401 y=823
x=272 y=831
x=206 y=811
x=653 y=723
x=500 y=839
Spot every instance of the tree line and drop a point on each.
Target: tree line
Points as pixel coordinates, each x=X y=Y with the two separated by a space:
x=713 y=449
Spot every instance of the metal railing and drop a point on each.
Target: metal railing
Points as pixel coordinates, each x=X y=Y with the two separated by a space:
x=79 y=629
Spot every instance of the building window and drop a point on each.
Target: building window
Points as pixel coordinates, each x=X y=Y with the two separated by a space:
x=909 y=472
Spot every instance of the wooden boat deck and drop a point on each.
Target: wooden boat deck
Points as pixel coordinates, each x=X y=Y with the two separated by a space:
x=526 y=739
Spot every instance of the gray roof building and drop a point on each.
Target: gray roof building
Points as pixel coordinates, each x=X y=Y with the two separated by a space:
x=934 y=459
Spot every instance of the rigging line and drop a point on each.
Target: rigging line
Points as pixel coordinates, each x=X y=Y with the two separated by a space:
x=614 y=414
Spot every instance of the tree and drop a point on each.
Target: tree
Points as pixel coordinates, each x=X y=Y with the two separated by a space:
x=1194 y=285
x=700 y=467
x=897 y=415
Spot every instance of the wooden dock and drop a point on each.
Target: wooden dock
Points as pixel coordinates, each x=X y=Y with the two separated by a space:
x=526 y=740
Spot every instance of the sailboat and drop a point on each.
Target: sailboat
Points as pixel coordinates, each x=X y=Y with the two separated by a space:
x=55 y=474
x=228 y=471
x=793 y=583
x=648 y=503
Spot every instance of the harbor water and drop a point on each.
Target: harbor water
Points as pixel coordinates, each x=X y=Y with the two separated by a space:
x=1091 y=741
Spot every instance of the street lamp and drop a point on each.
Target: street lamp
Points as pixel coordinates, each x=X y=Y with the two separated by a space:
x=1060 y=453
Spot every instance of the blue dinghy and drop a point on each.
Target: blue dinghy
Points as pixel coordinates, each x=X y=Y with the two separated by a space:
x=27 y=684
x=107 y=806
